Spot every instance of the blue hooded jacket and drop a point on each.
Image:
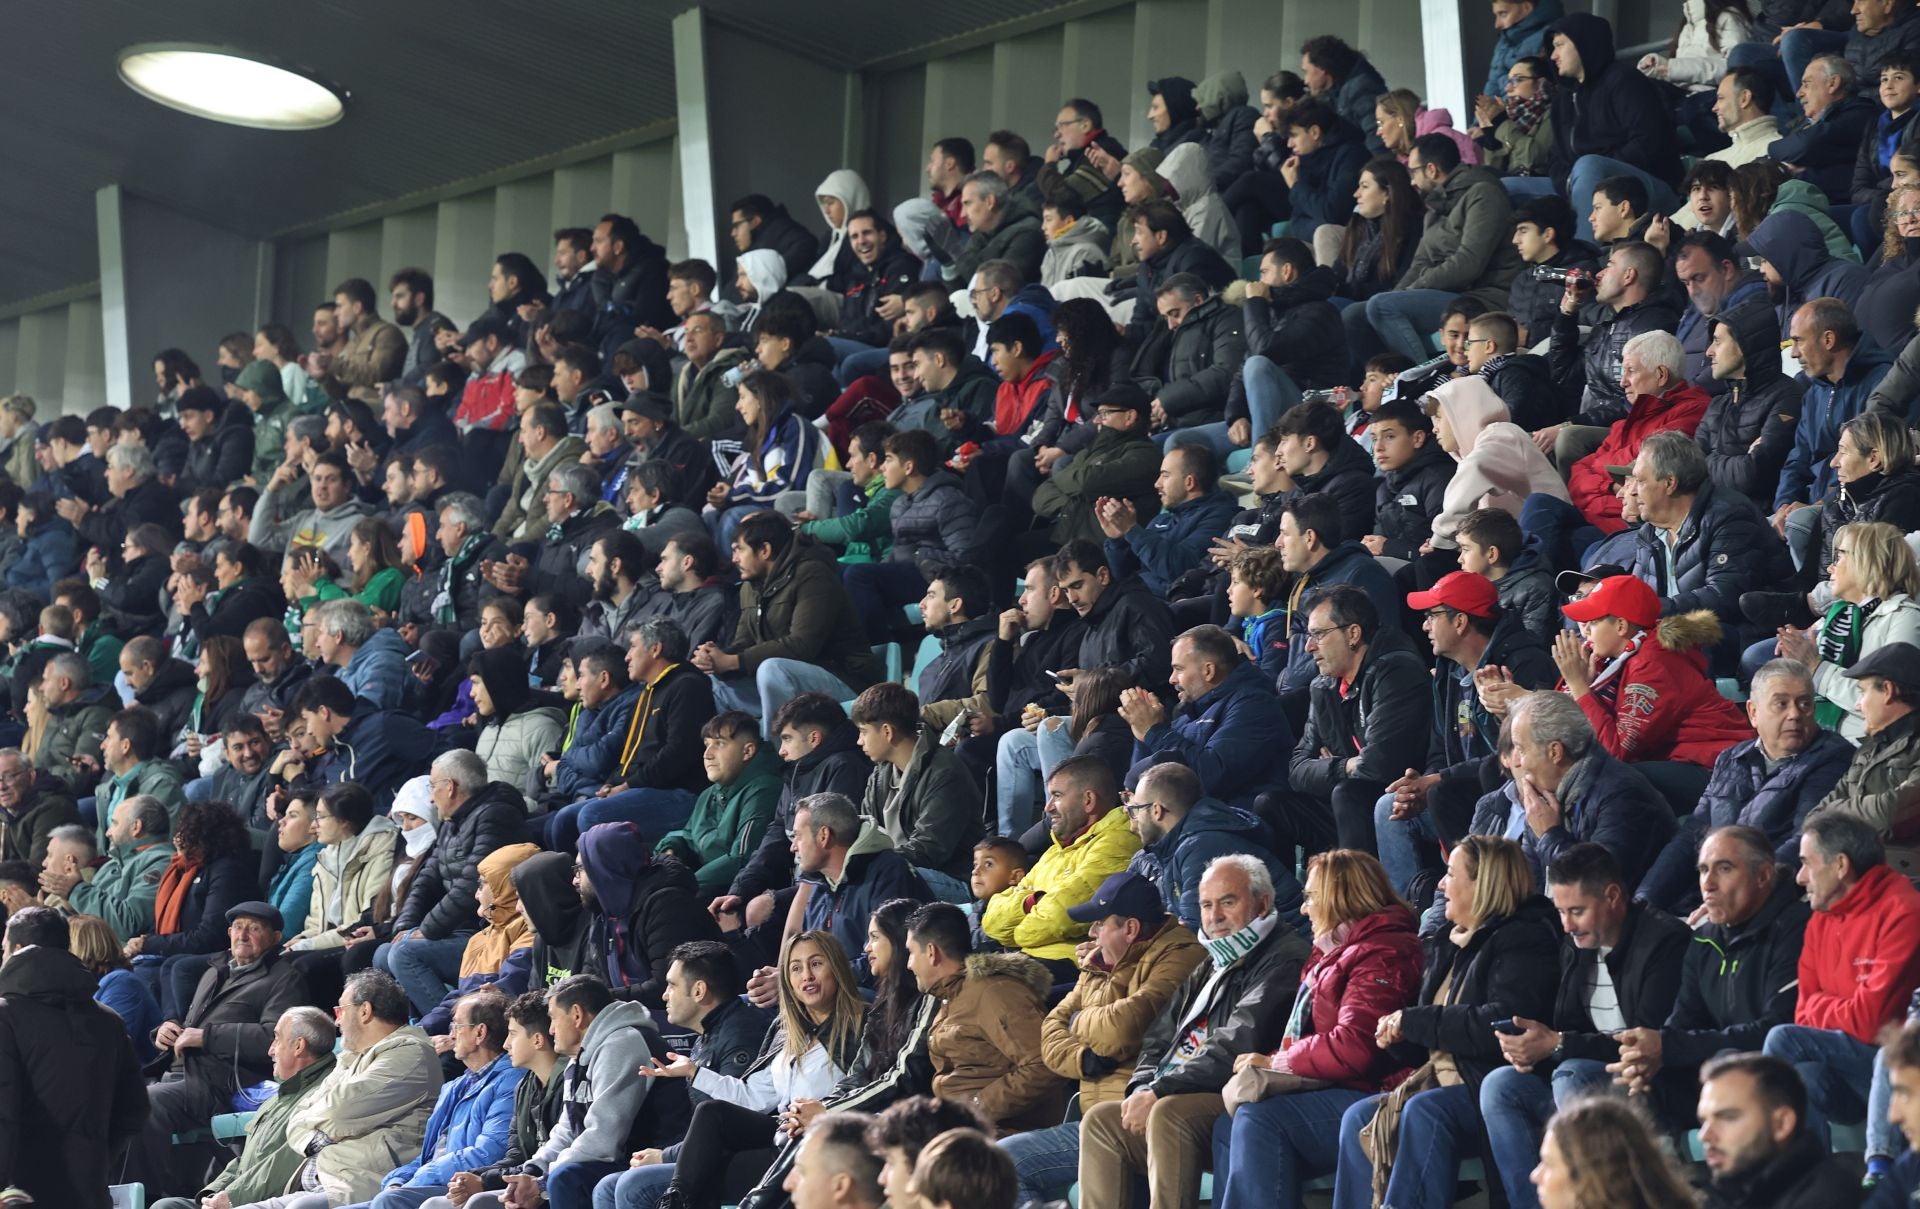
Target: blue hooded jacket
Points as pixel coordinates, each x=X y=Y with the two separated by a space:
x=1808 y=476
x=1173 y=542
x=380 y=749
x=378 y=670
x=472 y=1123
x=648 y=908
x=1235 y=738
x=1527 y=36
x=597 y=738
x=1211 y=830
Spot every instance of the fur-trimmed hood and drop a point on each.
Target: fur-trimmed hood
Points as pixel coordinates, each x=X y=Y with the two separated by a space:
x=1017 y=966
x=1683 y=632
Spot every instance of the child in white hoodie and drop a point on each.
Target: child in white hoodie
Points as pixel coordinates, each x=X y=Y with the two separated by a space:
x=1499 y=463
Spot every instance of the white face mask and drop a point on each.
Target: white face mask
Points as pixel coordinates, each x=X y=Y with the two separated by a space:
x=418 y=840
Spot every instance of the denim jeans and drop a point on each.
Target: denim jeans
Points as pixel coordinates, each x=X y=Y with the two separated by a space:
x=880 y=591
x=636 y=1188
x=1590 y=170
x=654 y=811
x=1799 y=47
x=722 y=523
x=945 y=887
x=776 y=682
x=856 y=366
x=1837 y=1070
x=199 y=789
x=1406 y=845
x=1516 y=1106
x=1048 y=1163
x=1266 y=1151
x=571 y=1185
x=425 y=969
x=1022 y=763
x=1405 y=318
x=1270 y=392
x=1562 y=531
x=1213 y=436
x=1437 y=1129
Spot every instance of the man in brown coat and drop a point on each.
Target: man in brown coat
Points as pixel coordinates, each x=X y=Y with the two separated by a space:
x=376 y=350
x=1135 y=959
x=985 y=1043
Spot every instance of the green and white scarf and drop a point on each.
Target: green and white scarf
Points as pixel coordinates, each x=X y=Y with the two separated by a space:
x=1231 y=948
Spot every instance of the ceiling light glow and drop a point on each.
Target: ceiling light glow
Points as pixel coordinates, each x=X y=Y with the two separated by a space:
x=224 y=86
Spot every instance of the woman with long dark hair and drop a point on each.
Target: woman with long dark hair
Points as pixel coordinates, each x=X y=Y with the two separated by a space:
x=1094 y=357
x=1383 y=232
x=778 y=452
x=213 y=870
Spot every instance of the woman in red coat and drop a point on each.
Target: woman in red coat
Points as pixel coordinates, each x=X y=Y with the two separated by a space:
x=1366 y=963
x=1642 y=680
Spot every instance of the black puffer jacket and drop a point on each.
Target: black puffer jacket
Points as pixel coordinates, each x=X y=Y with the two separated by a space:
x=1365 y=275
x=1524 y=383
x=1725 y=547
x=1017 y=671
x=1202 y=368
x=1891 y=498
x=1534 y=303
x=1407 y=500
x=1227 y=121
x=1129 y=628
x=1355 y=97
x=1348 y=478
x=1188 y=255
x=1382 y=717
x=865 y=285
x=1763 y=405
x=442 y=899
x=1587 y=368
x=635 y=296
x=224 y=455
x=1299 y=330
x=1322 y=191
x=1615 y=112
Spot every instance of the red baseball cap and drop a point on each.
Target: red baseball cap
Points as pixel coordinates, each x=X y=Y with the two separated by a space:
x=1620 y=596
x=1461 y=591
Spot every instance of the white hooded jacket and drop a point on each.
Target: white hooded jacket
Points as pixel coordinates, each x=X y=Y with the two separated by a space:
x=766 y=271
x=1499 y=463
x=845 y=184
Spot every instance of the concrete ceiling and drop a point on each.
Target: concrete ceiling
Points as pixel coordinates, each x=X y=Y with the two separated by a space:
x=441 y=92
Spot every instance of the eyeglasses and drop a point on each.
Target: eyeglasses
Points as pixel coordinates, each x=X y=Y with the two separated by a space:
x=1903 y=213
x=1316 y=637
x=1136 y=806
x=1520 y=79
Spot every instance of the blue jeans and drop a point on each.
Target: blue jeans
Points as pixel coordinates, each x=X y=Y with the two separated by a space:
x=1406 y=845
x=880 y=591
x=425 y=969
x=1405 y=318
x=571 y=1185
x=1270 y=393
x=722 y=523
x=636 y=1188
x=198 y=790
x=1516 y=1106
x=654 y=811
x=1837 y=1070
x=776 y=682
x=856 y=366
x=1561 y=529
x=1437 y=1129
x=1264 y=1152
x=945 y=887
x=1048 y=1163
x=1590 y=170
x=1799 y=47
x=1021 y=755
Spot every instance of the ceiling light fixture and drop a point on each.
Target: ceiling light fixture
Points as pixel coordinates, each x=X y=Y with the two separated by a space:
x=228 y=86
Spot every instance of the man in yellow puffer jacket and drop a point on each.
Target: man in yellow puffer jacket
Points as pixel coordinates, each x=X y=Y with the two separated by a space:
x=1090 y=843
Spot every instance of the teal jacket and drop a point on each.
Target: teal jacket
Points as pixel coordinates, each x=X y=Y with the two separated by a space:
x=122 y=890
x=292 y=887
x=727 y=823
x=867 y=532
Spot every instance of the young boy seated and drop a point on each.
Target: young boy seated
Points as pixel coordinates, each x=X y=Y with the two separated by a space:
x=1491 y=545
x=1378 y=374
x=861 y=523
x=1414 y=473
x=998 y=862
x=1619 y=210
x=1543 y=234
x=1076 y=242
x=1256 y=599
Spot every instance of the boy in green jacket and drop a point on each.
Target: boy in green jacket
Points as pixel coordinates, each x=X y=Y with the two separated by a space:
x=867 y=531
x=730 y=816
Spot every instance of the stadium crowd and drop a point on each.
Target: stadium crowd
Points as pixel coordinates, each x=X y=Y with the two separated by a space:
x=1328 y=651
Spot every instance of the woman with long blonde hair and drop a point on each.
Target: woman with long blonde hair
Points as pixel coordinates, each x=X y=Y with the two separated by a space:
x=812 y=1044
x=1876 y=600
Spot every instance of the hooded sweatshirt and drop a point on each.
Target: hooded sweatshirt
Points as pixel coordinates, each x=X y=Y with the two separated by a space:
x=767 y=273
x=1615 y=112
x=1183 y=112
x=845 y=184
x=1186 y=173
x=1499 y=463
x=544 y=884
x=1791 y=243
x=648 y=907
x=604 y=1091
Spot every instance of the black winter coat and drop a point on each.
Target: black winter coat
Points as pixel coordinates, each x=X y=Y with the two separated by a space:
x=73 y=1090
x=238 y=607
x=1131 y=629
x=1348 y=478
x=1763 y=405
x=557 y=567
x=797 y=246
x=1586 y=369
x=1366 y=274
x=1534 y=303
x=836 y=766
x=1645 y=969
x=1323 y=191
x=1524 y=383
x=669 y=753
x=238 y=1009
x=1801 y=1176
x=1615 y=112
x=1828 y=148
x=1298 y=330
x=1017 y=671
x=1204 y=355
x=1383 y=718
x=222 y=883
x=895 y=271
x=1188 y=255
x=634 y=296
x=1891 y=498
x=1407 y=500
x=1510 y=967
x=223 y=456
x=131 y=599
x=149 y=502
x=442 y=899
x=1737 y=982
x=1725 y=547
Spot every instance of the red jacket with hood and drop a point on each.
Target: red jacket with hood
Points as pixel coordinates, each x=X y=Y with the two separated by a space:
x=1014 y=403
x=1861 y=958
x=1591 y=487
x=1374 y=971
x=1666 y=707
